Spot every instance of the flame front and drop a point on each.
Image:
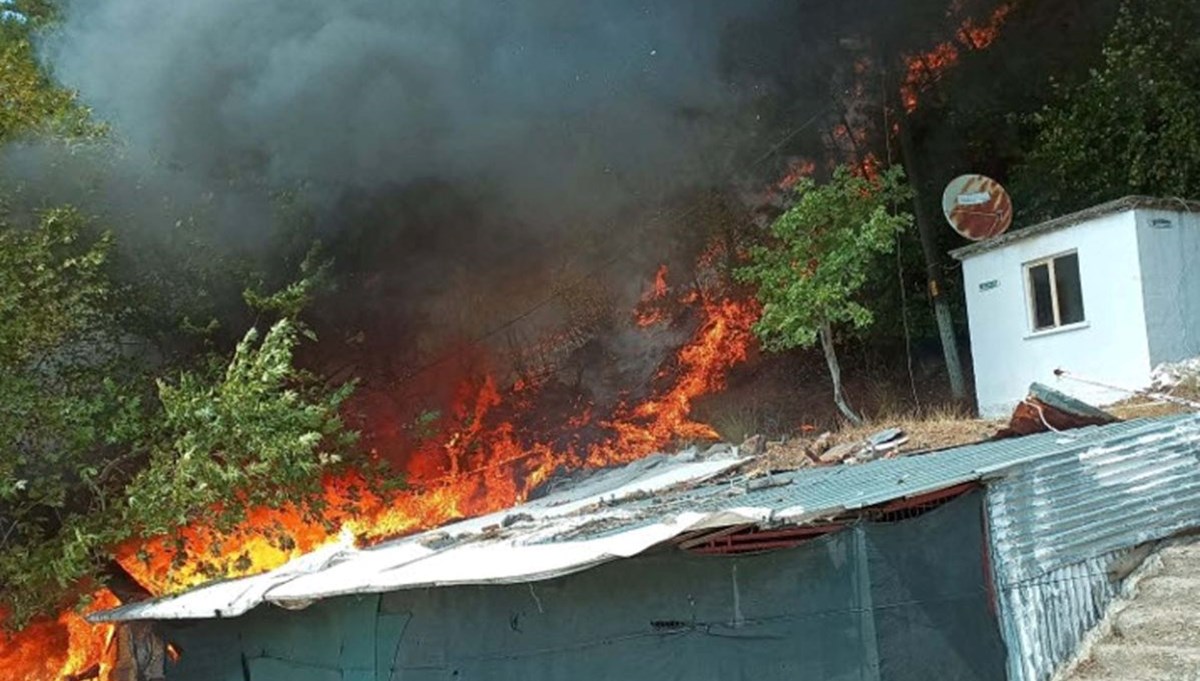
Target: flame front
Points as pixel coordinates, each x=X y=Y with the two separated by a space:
x=650 y=309
x=480 y=463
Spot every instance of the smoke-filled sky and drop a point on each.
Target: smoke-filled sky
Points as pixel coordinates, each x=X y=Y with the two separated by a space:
x=553 y=105
x=446 y=147
x=443 y=139
x=456 y=153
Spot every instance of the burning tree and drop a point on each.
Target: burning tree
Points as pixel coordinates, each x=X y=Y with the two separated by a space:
x=94 y=451
x=817 y=259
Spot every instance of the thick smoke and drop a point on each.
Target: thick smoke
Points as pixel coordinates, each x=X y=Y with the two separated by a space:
x=462 y=159
x=552 y=107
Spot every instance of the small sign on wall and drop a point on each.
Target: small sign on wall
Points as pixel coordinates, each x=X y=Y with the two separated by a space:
x=989 y=285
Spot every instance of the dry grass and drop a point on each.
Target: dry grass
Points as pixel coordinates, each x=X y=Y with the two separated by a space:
x=1186 y=386
x=1143 y=408
x=937 y=428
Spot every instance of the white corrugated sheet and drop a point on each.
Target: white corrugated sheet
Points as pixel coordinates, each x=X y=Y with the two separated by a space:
x=474 y=551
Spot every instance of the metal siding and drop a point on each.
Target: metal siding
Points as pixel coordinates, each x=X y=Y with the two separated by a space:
x=1044 y=620
x=1057 y=522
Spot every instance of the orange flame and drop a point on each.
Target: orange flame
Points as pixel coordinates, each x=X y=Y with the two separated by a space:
x=648 y=311
x=481 y=463
x=797 y=170
x=61 y=648
x=927 y=68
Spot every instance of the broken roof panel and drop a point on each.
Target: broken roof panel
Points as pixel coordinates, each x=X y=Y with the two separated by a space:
x=617 y=513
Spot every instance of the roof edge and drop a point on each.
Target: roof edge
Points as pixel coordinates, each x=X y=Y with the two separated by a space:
x=1120 y=205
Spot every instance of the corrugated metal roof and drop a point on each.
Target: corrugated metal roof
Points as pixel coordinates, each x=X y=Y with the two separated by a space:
x=619 y=513
x=1138 y=485
x=822 y=492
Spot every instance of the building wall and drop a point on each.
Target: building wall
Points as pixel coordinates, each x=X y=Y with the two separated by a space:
x=1169 y=252
x=1110 y=346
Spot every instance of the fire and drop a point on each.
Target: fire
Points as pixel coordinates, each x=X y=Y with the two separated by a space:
x=982 y=37
x=66 y=647
x=926 y=69
x=797 y=170
x=721 y=343
x=480 y=461
x=649 y=311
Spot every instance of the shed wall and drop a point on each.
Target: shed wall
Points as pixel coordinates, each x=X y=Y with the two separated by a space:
x=1110 y=346
x=1057 y=525
x=1169 y=252
x=904 y=601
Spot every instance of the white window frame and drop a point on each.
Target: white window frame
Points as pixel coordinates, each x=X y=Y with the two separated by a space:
x=1031 y=298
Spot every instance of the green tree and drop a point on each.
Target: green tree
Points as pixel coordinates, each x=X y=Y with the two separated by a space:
x=1132 y=127
x=29 y=101
x=99 y=443
x=122 y=414
x=817 y=259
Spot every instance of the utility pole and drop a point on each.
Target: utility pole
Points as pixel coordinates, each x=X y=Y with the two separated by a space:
x=933 y=268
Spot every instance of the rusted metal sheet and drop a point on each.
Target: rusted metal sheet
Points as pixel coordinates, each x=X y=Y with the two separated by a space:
x=1047 y=409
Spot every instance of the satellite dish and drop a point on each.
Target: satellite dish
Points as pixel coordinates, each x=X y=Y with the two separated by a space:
x=977 y=207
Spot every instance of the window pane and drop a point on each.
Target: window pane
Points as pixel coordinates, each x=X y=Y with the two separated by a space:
x=1070 y=293
x=1043 y=306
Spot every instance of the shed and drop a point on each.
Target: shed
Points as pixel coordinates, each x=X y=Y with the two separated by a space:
x=1107 y=294
x=984 y=562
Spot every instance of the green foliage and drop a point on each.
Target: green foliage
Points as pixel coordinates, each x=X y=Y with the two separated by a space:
x=96 y=446
x=294 y=297
x=52 y=285
x=260 y=433
x=114 y=422
x=1133 y=127
x=820 y=254
x=60 y=415
x=29 y=101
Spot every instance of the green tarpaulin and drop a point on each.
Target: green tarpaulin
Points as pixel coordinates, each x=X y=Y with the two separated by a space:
x=875 y=602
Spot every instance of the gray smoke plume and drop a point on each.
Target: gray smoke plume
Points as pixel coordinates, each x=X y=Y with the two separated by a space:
x=461 y=157
x=553 y=107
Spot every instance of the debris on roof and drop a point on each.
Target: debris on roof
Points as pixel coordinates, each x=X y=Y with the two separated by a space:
x=1048 y=409
x=914 y=435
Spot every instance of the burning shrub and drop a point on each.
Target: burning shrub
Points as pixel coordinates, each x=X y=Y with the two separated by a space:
x=91 y=454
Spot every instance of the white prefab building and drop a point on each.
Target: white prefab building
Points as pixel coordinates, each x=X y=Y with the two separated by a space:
x=1105 y=294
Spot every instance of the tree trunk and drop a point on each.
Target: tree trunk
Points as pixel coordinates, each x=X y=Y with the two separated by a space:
x=941 y=306
x=835 y=373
